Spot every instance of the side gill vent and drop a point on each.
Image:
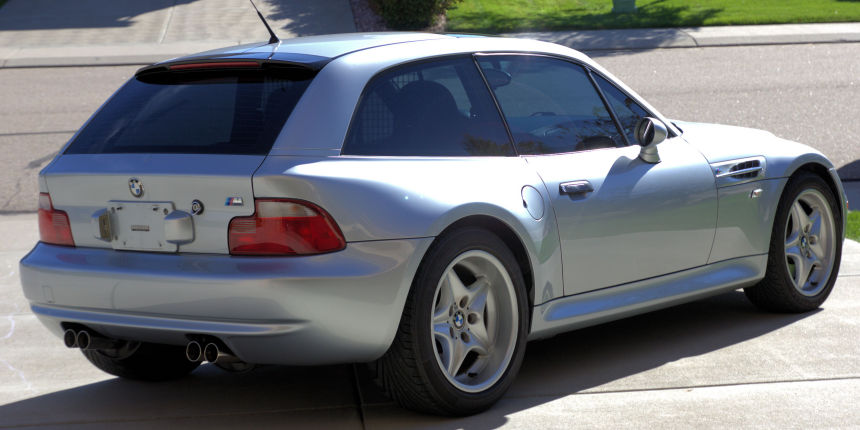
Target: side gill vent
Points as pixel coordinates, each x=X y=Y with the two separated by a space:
x=739 y=171
x=745 y=170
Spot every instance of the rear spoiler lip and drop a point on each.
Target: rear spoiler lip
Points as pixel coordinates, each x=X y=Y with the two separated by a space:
x=311 y=63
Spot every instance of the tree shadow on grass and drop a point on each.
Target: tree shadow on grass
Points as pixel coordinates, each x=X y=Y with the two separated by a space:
x=652 y=15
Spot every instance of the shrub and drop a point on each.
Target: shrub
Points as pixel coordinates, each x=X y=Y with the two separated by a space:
x=411 y=14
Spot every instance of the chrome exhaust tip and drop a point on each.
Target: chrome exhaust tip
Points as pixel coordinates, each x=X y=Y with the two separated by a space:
x=211 y=352
x=193 y=351
x=87 y=340
x=70 y=338
x=83 y=339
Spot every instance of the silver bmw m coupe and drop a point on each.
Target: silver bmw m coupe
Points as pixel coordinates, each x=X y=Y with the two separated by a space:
x=425 y=203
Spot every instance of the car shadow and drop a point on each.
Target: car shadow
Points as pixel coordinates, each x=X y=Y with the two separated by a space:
x=586 y=359
x=571 y=363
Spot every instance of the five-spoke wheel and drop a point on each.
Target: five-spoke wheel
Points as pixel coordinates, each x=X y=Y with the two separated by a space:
x=810 y=242
x=463 y=332
x=805 y=248
x=474 y=321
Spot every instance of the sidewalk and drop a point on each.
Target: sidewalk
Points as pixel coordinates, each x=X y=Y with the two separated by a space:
x=50 y=33
x=37 y=33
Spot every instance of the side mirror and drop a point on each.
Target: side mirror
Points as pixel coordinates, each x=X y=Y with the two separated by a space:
x=650 y=132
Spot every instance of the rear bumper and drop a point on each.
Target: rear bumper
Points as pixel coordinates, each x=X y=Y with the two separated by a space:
x=332 y=308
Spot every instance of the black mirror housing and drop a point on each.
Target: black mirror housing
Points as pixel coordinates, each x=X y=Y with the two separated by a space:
x=649 y=132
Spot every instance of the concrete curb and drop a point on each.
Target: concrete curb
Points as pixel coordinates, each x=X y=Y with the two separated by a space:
x=697 y=37
x=591 y=40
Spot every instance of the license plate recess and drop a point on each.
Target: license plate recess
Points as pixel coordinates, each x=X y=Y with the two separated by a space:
x=139 y=226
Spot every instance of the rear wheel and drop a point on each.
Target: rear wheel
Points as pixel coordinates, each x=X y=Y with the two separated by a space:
x=143 y=361
x=805 y=249
x=463 y=332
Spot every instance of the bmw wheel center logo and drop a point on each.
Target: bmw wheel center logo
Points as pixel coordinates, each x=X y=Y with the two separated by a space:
x=135 y=186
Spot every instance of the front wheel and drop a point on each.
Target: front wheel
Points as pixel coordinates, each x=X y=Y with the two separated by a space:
x=463 y=331
x=805 y=249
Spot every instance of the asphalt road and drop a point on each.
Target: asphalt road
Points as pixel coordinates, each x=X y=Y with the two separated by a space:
x=808 y=93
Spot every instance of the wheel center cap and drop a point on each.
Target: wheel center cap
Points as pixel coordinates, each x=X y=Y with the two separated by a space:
x=458 y=320
x=803 y=241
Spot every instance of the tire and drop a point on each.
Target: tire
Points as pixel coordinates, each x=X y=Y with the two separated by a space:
x=480 y=322
x=143 y=361
x=805 y=248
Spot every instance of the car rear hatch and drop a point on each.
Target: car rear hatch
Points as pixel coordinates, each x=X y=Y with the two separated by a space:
x=168 y=161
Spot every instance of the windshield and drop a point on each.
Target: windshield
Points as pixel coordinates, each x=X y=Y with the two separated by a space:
x=194 y=112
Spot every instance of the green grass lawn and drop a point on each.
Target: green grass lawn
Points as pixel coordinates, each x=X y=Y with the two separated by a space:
x=853 y=229
x=496 y=16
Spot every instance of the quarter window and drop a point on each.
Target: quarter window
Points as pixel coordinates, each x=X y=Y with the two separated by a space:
x=438 y=108
x=551 y=105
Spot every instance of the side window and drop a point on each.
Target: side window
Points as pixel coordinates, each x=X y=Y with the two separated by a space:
x=551 y=105
x=438 y=108
x=626 y=109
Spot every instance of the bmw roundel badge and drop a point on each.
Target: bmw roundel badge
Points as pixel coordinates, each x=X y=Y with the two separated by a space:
x=135 y=186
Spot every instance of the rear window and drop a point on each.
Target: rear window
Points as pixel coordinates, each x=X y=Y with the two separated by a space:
x=194 y=112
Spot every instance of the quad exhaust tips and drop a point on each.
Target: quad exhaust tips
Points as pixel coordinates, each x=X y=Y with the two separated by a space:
x=83 y=339
x=213 y=354
x=209 y=351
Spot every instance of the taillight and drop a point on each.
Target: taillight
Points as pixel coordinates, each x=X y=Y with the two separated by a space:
x=284 y=227
x=54 y=225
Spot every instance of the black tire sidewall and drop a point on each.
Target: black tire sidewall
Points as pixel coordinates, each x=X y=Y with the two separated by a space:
x=777 y=258
x=452 y=399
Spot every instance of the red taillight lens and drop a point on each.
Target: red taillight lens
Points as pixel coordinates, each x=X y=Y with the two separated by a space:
x=54 y=225
x=284 y=227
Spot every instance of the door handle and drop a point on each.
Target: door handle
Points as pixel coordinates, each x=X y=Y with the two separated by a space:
x=575 y=187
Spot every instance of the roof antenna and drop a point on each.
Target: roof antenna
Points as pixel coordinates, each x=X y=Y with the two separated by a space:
x=273 y=39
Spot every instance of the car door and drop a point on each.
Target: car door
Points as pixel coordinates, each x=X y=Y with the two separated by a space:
x=620 y=218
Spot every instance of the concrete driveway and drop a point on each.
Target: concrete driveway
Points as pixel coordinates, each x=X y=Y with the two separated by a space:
x=714 y=363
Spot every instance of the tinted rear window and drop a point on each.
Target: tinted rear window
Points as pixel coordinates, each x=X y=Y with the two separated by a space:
x=235 y=112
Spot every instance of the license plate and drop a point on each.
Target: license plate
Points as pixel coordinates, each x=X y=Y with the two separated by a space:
x=139 y=226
